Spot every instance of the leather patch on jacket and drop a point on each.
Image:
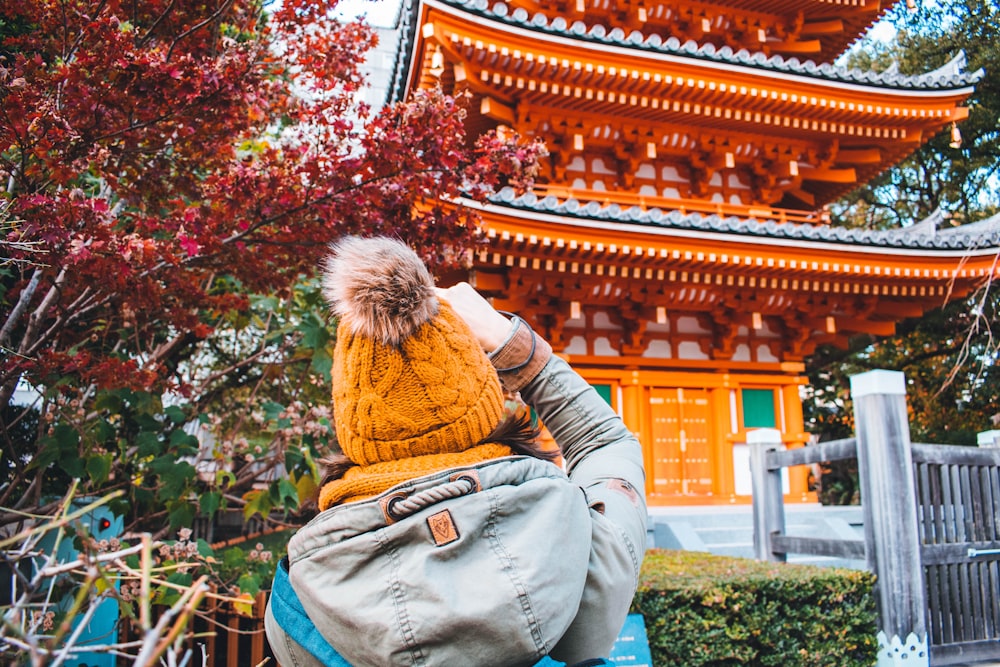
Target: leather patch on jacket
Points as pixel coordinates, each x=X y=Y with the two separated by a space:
x=443 y=528
x=623 y=487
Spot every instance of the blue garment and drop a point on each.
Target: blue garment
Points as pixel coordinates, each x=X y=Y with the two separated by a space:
x=292 y=617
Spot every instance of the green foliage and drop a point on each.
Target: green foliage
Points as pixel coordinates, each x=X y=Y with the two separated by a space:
x=261 y=429
x=249 y=436
x=961 y=181
x=949 y=360
x=705 y=610
x=949 y=356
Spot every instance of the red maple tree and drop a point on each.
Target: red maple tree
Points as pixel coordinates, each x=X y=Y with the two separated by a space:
x=163 y=162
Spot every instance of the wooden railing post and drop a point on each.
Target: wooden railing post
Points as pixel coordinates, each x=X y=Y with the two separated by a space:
x=888 y=499
x=766 y=487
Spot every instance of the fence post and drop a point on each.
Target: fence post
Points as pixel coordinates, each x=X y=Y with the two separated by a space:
x=888 y=499
x=765 y=485
x=988 y=438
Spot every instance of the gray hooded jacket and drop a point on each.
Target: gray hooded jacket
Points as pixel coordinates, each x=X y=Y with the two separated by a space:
x=501 y=563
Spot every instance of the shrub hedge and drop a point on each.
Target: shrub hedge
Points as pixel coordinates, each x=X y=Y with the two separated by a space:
x=702 y=609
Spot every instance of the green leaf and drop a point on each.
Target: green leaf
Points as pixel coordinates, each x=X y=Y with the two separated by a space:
x=248 y=584
x=205 y=549
x=148 y=443
x=175 y=413
x=265 y=303
x=287 y=490
x=272 y=410
x=293 y=456
x=322 y=362
x=185 y=444
x=120 y=506
x=234 y=558
x=174 y=476
x=258 y=502
x=314 y=331
x=143 y=497
x=181 y=578
x=98 y=468
x=109 y=401
x=125 y=609
x=224 y=478
x=102 y=431
x=181 y=513
x=147 y=422
x=65 y=437
x=48 y=453
x=62 y=448
x=210 y=502
x=305 y=486
x=162 y=595
x=72 y=465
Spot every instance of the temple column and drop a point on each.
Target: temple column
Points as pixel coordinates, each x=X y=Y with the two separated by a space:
x=793 y=428
x=723 y=482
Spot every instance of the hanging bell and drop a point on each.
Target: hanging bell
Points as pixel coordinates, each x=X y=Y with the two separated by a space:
x=437 y=62
x=956 y=137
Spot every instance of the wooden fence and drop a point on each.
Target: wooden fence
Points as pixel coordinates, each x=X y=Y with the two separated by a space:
x=931 y=520
x=226 y=637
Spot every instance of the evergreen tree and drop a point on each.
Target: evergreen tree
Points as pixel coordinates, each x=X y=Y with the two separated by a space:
x=962 y=181
x=949 y=356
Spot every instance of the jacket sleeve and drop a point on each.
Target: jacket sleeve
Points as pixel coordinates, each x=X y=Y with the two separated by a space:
x=605 y=460
x=602 y=456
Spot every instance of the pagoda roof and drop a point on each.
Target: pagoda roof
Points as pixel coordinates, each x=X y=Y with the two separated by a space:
x=929 y=234
x=950 y=77
x=731 y=125
x=821 y=28
x=816 y=283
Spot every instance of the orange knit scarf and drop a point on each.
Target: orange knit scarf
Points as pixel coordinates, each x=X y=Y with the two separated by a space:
x=361 y=482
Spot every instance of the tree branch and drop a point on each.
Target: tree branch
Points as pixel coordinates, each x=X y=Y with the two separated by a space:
x=23 y=300
x=35 y=320
x=149 y=33
x=215 y=15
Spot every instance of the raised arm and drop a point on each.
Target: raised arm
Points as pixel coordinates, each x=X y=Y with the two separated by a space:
x=597 y=446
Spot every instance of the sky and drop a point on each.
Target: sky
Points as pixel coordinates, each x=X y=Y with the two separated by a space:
x=380 y=13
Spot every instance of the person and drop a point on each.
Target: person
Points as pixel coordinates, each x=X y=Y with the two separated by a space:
x=444 y=537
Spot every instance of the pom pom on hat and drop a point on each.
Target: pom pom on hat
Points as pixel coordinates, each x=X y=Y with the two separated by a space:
x=380 y=287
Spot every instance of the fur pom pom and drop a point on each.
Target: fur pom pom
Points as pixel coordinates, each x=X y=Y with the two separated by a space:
x=380 y=287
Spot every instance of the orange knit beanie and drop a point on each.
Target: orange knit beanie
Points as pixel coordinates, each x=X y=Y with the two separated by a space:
x=413 y=391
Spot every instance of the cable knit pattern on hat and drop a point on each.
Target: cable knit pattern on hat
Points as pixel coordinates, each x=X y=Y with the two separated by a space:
x=436 y=393
x=412 y=389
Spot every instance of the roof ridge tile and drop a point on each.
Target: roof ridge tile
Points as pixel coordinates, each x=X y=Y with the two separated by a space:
x=984 y=233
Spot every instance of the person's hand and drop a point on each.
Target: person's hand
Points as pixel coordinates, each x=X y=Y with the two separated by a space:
x=490 y=327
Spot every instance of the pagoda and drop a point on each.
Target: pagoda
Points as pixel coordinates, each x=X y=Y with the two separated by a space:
x=675 y=249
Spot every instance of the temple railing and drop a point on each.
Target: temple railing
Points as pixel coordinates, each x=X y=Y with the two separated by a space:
x=683 y=205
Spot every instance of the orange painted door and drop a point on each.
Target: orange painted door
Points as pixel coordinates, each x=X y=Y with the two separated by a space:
x=681 y=431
